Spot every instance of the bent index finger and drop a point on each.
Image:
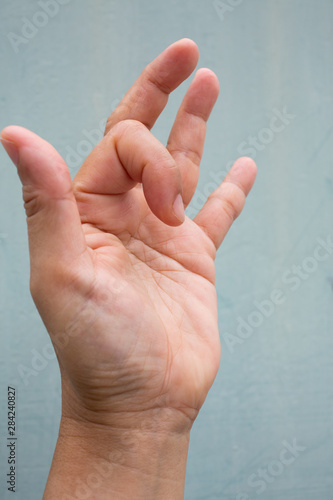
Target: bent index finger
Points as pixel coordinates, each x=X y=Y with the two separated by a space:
x=128 y=155
x=149 y=95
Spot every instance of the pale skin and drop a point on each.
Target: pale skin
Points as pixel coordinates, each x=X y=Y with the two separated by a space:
x=125 y=285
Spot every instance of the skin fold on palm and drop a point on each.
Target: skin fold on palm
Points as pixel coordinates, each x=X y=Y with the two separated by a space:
x=115 y=271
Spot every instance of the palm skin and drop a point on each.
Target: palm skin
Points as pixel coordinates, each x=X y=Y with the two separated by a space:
x=125 y=290
x=151 y=340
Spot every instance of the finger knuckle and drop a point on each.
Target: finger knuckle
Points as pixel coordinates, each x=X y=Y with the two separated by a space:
x=230 y=208
x=130 y=125
x=32 y=201
x=152 y=79
x=232 y=200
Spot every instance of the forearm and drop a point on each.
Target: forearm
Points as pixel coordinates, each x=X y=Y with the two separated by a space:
x=94 y=462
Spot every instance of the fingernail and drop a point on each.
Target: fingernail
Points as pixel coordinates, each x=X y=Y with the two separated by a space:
x=178 y=208
x=11 y=149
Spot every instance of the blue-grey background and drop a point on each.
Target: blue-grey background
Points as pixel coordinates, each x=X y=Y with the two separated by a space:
x=277 y=385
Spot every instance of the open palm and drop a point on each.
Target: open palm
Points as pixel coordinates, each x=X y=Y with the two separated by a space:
x=124 y=287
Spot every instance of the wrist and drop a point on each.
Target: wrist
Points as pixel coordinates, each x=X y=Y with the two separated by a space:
x=101 y=462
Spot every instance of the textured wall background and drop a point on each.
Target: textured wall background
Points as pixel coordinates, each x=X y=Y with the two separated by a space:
x=274 y=388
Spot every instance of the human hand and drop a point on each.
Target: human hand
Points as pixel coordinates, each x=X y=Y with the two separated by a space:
x=127 y=288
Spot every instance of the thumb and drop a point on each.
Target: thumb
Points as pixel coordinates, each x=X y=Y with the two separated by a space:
x=54 y=226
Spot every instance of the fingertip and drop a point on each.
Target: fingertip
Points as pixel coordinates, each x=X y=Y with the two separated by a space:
x=208 y=84
x=208 y=75
x=248 y=164
x=10 y=139
x=12 y=132
x=11 y=149
x=168 y=209
x=19 y=135
x=188 y=43
x=178 y=209
x=187 y=52
x=38 y=163
x=243 y=173
x=5 y=132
